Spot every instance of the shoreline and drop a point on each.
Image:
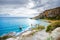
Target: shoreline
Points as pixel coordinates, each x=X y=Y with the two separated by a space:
x=19 y=33
x=24 y=31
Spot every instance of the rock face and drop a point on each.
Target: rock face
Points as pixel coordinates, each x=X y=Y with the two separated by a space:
x=51 y=13
x=41 y=35
x=56 y=34
x=9 y=35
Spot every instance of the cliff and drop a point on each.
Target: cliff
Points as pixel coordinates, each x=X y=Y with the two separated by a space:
x=49 y=14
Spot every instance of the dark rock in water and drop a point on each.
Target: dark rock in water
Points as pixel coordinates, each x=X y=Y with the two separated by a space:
x=20 y=28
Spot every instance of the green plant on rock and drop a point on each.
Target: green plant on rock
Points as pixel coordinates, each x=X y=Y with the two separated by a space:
x=52 y=26
x=50 y=38
x=5 y=37
x=38 y=27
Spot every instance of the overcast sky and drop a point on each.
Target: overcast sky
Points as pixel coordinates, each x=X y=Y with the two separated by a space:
x=25 y=8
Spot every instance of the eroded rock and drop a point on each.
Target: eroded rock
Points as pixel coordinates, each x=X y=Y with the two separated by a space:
x=56 y=34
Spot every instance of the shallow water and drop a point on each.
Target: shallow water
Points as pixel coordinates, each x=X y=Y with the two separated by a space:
x=13 y=24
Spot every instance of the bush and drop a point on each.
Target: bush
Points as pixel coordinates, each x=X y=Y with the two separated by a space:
x=38 y=27
x=4 y=37
x=52 y=26
x=50 y=38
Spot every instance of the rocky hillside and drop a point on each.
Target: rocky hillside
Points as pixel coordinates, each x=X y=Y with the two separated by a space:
x=50 y=14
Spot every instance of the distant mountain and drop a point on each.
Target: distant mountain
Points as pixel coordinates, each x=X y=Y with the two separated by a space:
x=50 y=14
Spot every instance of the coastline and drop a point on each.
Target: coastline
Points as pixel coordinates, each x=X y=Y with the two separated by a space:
x=28 y=33
x=19 y=33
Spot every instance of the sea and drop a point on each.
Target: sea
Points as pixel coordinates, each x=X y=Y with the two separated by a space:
x=18 y=24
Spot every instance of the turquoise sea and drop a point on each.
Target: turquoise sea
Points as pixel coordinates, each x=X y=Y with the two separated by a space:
x=13 y=24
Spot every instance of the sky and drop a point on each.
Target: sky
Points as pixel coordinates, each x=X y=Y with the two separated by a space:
x=25 y=8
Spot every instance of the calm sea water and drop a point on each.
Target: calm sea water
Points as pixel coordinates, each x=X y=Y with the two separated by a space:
x=12 y=24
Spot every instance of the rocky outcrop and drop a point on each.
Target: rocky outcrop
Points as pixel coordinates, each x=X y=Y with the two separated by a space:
x=9 y=35
x=56 y=34
x=51 y=13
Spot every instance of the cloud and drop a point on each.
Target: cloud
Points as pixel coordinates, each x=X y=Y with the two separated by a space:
x=22 y=9
x=19 y=12
x=31 y=4
x=42 y=5
x=26 y=8
x=14 y=2
x=47 y=4
x=51 y=4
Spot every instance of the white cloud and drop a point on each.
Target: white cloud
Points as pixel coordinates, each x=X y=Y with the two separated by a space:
x=22 y=11
x=13 y=2
x=48 y=4
x=18 y=10
x=26 y=8
x=31 y=4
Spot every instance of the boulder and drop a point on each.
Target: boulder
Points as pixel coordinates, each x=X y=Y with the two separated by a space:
x=56 y=34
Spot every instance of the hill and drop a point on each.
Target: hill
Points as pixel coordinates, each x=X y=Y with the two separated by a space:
x=50 y=14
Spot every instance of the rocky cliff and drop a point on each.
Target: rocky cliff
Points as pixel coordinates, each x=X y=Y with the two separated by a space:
x=50 y=14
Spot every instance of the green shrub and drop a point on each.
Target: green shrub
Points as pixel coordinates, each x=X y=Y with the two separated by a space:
x=52 y=26
x=5 y=37
x=38 y=27
x=50 y=38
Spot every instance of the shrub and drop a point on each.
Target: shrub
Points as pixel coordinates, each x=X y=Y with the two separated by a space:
x=4 y=37
x=50 y=38
x=38 y=27
x=52 y=26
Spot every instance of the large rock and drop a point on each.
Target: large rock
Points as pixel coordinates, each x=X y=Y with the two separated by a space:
x=9 y=35
x=56 y=34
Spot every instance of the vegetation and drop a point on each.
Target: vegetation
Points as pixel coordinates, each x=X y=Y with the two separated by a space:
x=53 y=18
x=52 y=14
x=50 y=38
x=38 y=27
x=52 y=26
x=4 y=37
